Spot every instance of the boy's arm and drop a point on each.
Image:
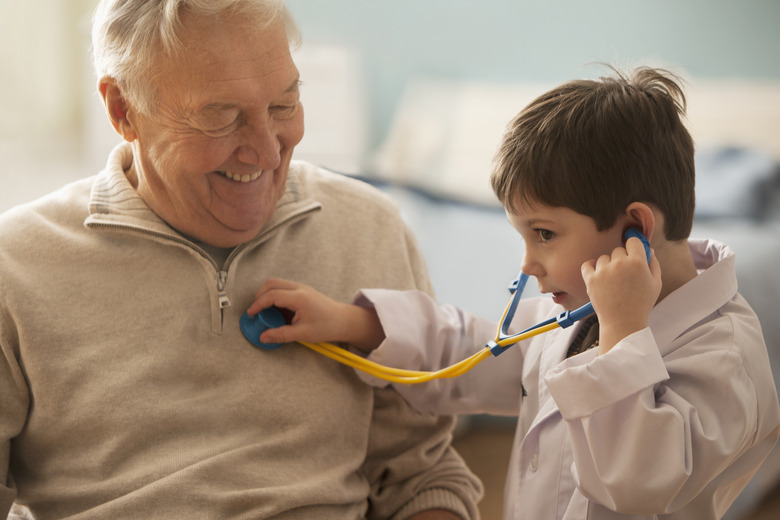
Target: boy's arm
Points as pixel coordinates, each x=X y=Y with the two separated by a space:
x=421 y=335
x=316 y=317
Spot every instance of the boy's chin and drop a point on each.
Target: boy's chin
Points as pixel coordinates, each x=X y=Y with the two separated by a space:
x=568 y=301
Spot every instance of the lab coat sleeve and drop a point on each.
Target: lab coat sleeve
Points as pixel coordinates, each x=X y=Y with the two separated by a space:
x=421 y=335
x=668 y=426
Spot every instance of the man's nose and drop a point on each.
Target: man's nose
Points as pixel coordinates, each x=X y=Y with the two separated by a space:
x=260 y=148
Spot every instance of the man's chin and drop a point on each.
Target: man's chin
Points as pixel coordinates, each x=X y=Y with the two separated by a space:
x=226 y=237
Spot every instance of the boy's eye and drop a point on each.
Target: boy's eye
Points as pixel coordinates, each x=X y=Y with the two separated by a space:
x=545 y=234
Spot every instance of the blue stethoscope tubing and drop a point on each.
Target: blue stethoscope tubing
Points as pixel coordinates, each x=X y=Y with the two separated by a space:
x=564 y=319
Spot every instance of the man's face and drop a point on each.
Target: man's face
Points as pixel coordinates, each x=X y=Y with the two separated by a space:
x=212 y=157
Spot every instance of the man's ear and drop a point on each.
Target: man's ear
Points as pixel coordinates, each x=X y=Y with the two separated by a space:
x=117 y=108
x=643 y=217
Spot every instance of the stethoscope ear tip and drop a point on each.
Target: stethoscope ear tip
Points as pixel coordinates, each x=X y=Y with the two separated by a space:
x=253 y=326
x=634 y=232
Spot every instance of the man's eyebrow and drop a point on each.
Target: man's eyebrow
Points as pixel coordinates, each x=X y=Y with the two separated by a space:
x=219 y=106
x=294 y=86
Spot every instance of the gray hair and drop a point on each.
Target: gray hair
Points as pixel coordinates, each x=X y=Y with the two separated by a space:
x=129 y=36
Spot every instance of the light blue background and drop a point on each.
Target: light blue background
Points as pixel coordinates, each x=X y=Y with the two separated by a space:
x=556 y=40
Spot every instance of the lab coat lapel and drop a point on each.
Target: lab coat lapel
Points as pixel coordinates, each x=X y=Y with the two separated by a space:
x=556 y=344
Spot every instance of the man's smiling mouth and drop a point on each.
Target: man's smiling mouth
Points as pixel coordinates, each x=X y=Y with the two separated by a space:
x=241 y=178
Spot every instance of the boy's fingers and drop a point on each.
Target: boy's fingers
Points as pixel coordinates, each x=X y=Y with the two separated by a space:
x=285 y=334
x=272 y=284
x=635 y=247
x=273 y=298
x=587 y=268
x=277 y=335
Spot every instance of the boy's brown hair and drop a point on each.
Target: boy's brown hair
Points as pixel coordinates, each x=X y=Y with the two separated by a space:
x=596 y=146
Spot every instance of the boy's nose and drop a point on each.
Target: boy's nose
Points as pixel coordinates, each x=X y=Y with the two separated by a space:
x=531 y=267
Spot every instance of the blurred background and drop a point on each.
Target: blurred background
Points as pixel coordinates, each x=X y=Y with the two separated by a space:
x=361 y=58
x=414 y=95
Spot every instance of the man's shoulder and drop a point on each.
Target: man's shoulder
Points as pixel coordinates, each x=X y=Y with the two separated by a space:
x=320 y=182
x=66 y=204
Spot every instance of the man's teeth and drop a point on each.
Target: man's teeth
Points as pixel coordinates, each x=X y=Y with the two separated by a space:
x=242 y=178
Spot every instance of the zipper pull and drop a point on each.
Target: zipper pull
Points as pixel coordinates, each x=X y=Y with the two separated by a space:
x=224 y=301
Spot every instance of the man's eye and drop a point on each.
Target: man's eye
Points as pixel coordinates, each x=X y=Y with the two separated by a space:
x=283 y=110
x=219 y=132
x=216 y=120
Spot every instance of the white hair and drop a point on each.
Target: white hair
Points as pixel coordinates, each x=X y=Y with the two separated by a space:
x=129 y=36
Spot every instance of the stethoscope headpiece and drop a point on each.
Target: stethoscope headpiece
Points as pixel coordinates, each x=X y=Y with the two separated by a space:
x=253 y=326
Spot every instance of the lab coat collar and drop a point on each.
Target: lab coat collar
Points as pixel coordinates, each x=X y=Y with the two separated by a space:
x=715 y=285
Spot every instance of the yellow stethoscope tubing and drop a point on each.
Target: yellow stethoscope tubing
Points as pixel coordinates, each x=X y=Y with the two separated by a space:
x=252 y=328
x=399 y=375
x=502 y=339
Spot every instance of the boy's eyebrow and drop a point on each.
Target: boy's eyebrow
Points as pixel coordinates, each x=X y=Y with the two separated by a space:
x=533 y=222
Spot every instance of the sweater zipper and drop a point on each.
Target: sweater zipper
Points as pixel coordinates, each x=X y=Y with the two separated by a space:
x=223 y=301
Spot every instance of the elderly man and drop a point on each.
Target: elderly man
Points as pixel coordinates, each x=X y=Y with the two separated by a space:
x=126 y=387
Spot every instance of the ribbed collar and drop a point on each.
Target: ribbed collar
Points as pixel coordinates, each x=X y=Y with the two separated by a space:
x=114 y=201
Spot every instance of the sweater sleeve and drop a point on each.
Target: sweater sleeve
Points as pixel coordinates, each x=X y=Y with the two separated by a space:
x=411 y=466
x=14 y=401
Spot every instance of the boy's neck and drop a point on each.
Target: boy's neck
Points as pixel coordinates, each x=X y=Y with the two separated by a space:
x=677 y=266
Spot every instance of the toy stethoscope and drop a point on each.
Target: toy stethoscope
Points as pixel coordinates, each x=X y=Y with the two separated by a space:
x=253 y=326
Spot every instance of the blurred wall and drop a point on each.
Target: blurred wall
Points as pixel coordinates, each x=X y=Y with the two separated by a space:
x=540 y=40
x=52 y=128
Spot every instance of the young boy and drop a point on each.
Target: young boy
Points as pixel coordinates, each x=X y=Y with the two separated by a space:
x=662 y=408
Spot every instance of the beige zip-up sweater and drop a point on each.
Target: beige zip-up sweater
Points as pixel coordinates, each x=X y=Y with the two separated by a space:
x=127 y=390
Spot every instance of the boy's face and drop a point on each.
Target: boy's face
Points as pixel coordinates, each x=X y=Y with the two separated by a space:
x=558 y=241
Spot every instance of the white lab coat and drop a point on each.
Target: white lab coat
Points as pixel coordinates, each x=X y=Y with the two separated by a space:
x=671 y=423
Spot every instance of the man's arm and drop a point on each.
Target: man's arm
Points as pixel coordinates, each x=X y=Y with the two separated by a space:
x=435 y=514
x=13 y=414
x=411 y=467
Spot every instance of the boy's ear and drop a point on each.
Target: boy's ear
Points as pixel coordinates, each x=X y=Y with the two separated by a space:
x=117 y=108
x=641 y=216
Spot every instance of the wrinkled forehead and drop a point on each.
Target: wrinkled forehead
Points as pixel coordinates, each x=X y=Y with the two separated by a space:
x=230 y=56
x=210 y=40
